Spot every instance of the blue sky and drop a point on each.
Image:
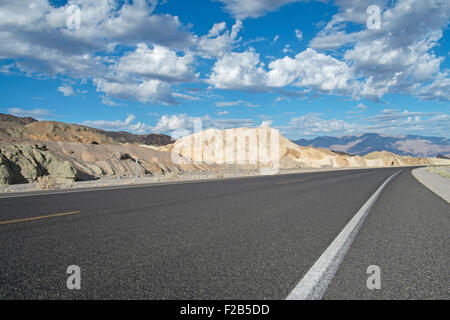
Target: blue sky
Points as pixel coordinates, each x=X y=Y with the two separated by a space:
x=309 y=68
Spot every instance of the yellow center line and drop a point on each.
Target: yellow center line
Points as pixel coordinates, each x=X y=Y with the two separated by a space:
x=39 y=218
x=291 y=181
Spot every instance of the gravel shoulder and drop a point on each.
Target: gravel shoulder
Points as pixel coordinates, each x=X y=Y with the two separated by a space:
x=435 y=179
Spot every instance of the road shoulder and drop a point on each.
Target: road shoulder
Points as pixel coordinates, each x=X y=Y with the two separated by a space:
x=436 y=183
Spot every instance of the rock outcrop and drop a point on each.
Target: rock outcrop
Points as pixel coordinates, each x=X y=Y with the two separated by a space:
x=24 y=163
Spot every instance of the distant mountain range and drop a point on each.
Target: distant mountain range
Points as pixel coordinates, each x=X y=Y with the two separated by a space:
x=409 y=145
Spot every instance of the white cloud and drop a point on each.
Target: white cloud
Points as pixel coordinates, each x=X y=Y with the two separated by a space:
x=309 y=69
x=287 y=49
x=186 y=96
x=332 y=40
x=398 y=58
x=36 y=37
x=219 y=40
x=6 y=68
x=109 y=102
x=313 y=70
x=222 y=112
x=146 y=75
x=173 y=122
x=392 y=115
x=229 y=103
x=266 y=123
x=127 y=125
x=313 y=124
x=67 y=91
x=143 y=91
x=275 y=39
x=253 y=8
x=36 y=33
x=157 y=63
x=374 y=63
x=235 y=103
x=182 y=124
x=238 y=70
x=34 y=113
x=362 y=106
x=298 y=34
x=438 y=89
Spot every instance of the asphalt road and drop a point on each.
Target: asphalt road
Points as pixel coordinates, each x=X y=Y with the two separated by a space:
x=251 y=238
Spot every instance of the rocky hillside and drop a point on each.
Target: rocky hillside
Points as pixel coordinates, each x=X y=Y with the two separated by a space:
x=29 y=128
x=410 y=145
x=70 y=161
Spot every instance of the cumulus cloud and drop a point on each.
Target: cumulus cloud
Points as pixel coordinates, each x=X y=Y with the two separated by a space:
x=345 y=58
x=309 y=69
x=253 y=8
x=298 y=34
x=399 y=57
x=266 y=123
x=146 y=75
x=313 y=70
x=67 y=91
x=239 y=70
x=36 y=37
x=157 y=63
x=219 y=40
x=37 y=34
x=128 y=124
x=142 y=90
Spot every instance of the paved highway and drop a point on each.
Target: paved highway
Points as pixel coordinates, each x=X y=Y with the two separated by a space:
x=247 y=238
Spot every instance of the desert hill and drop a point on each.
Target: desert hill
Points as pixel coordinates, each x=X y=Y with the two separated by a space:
x=29 y=128
x=291 y=155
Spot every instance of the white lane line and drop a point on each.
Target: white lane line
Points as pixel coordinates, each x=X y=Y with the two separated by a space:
x=315 y=282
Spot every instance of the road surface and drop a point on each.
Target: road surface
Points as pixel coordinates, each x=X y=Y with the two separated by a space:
x=246 y=238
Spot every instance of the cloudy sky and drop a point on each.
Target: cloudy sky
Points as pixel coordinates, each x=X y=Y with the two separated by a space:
x=309 y=68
